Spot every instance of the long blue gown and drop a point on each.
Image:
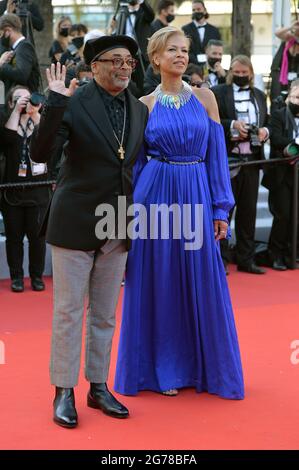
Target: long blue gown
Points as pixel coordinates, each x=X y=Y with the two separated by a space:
x=177 y=327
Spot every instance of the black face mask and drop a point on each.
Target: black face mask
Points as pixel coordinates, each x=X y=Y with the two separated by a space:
x=78 y=42
x=64 y=32
x=170 y=18
x=241 y=81
x=5 y=41
x=198 y=16
x=294 y=108
x=212 y=61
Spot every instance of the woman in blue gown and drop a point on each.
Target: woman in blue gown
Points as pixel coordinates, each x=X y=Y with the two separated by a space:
x=177 y=327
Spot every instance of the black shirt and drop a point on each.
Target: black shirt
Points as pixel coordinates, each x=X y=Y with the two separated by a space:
x=156 y=25
x=115 y=106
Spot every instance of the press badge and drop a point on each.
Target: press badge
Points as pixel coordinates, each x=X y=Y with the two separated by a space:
x=292 y=76
x=201 y=58
x=22 y=170
x=38 y=168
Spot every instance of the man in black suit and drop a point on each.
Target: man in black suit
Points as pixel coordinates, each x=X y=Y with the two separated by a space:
x=138 y=26
x=279 y=180
x=200 y=32
x=166 y=15
x=19 y=64
x=10 y=6
x=102 y=125
x=214 y=52
x=243 y=114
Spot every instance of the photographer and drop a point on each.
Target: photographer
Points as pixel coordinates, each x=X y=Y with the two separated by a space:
x=279 y=179
x=11 y=6
x=19 y=66
x=138 y=26
x=200 y=32
x=285 y=65
x=243 y=113
x=23 y=209
x=62 y=38
x=74 y=51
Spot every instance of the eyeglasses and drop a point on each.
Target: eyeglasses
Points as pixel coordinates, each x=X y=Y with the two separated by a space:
x=118 y=62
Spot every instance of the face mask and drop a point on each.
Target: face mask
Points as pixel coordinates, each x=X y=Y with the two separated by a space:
x=5 y=41
x=294 y=108
x=170 y=18
x=64 y=32
x=78 y=42
x=241 y=81
x=198 y=16
x=212 y=61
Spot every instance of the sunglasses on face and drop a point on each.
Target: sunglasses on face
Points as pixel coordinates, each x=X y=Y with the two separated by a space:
x=118 y=62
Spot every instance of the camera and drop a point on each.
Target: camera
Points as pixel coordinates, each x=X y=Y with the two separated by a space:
x=22 y=7
x=280 y=101
x=291 y=150
x=253 y=132
x=35 y=99
x=253 y=136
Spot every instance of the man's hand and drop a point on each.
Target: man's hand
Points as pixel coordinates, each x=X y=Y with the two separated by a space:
x=241 y=127
x=263 y=134
x=11 y=6
x=56 y=80
x=6 y=57
x=219 y=70
x=220 y=229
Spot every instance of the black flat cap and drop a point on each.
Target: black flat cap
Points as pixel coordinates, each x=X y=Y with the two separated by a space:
x=95 y=47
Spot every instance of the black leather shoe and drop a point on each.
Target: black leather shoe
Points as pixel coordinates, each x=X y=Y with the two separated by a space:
x=99 y=397
x=279 y=264
x=37 y=284
x=252 y=269
x=65 y=413
x=17 y=285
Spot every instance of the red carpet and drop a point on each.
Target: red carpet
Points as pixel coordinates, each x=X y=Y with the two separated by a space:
x=267 y=317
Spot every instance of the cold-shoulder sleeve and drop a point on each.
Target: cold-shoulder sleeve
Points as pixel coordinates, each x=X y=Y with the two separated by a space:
x=218 y=172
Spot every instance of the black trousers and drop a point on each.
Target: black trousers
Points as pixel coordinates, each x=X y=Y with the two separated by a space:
x=18 y=222
x=245 y=189
x=280 y=205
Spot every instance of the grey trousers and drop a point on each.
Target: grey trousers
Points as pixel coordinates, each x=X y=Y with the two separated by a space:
x=76 y=276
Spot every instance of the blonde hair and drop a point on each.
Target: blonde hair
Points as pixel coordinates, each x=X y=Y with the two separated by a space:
x=244 y=60
x=159 y=40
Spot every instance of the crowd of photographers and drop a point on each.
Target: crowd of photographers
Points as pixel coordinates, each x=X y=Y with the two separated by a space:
x=243 y=110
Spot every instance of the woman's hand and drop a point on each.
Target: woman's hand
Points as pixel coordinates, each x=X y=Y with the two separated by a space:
x=21 y=104
x=56 y=80
x=220 y=229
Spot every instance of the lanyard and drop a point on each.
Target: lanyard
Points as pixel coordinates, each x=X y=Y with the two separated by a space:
x=25 y=146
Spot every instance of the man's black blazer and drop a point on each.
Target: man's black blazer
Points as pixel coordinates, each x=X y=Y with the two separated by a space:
x=23 y=68
x=225 y=99
x=92 y=172
x=36 y=18
x=281 y=134
x=198 y=47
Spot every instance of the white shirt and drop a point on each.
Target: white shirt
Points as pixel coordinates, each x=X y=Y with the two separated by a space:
x=246 y=111
x=201 y=30
x=15 y=44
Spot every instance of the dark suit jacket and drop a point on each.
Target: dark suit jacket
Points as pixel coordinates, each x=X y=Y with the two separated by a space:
x=144 y=17
x=92 y=172
x=23 y=68
x=225 y=99
x=36 y=18
x=281 y=134
x=198 y=47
